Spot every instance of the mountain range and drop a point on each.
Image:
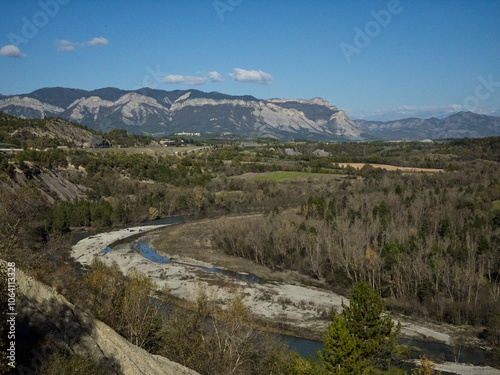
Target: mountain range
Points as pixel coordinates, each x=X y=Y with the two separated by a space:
x=458 y=125
x=159 y=112
x=150 y=111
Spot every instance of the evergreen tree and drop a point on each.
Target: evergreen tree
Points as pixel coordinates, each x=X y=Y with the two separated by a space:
x=363 y=338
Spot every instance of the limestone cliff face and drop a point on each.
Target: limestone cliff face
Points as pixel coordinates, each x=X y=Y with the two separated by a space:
x=46 y=316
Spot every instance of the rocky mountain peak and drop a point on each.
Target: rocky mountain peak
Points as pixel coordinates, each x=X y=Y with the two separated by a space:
x=316 y=101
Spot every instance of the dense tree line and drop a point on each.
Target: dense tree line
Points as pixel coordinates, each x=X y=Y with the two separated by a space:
x=437 y=154
x=85 y=213
x=166 y=169
x=44 y=159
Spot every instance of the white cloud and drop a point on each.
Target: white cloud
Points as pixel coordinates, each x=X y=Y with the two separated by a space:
x=215 y=77
x=252 y=76
x=98 y=42
x=189 y=80
x=241 y=75
x=11 y=51
x=174 y=78
x=67 y=46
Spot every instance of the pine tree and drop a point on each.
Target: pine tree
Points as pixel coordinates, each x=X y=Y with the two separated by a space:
x=341 y=353
x=363 y=338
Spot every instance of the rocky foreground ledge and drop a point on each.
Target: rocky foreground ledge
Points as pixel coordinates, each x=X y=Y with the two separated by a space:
x=45 y=315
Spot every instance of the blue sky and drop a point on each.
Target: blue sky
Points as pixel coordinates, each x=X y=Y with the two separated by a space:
x=375 y=59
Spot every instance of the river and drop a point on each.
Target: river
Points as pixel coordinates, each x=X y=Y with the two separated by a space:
x=303 y=346
x=138 y=244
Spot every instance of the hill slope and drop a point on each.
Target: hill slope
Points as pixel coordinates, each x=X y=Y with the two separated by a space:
x=51 y=132
x=45 y=317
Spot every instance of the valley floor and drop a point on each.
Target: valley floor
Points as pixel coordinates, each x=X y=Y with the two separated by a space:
x=285 y=299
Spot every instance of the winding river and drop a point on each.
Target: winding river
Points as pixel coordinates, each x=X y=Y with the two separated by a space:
x=133 y=242
x=307 y=347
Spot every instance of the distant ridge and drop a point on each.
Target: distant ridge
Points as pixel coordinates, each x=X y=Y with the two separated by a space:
x=458 y=125
x=152 y=111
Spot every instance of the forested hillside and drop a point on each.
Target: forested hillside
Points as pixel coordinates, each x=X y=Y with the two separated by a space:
x=427 y=242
